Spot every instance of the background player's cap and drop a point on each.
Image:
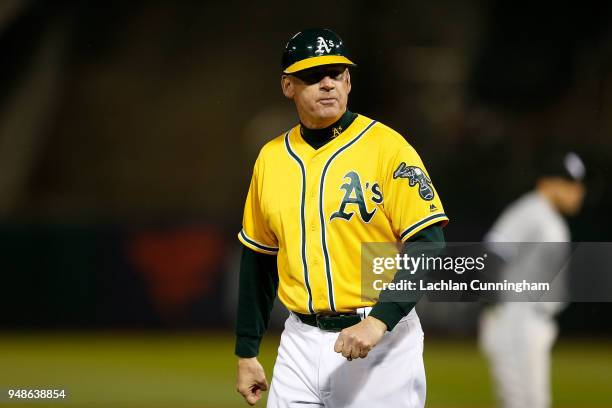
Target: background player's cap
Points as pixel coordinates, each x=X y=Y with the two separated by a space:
x=312 y=48
x=568 y=165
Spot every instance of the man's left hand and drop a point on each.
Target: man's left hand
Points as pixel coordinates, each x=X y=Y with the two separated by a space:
x=357 y=341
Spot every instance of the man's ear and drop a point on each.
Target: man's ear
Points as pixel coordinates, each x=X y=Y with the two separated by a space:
x=287 y=86
x=348 y=81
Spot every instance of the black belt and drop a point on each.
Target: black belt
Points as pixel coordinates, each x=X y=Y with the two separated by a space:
x=335 y=322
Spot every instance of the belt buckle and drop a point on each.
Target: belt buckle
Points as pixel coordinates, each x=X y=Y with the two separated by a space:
x=336 y=323
x=327 y=324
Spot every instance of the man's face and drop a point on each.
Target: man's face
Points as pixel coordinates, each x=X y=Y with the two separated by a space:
x=567 y=195
x=571 y=195
x=320 y=94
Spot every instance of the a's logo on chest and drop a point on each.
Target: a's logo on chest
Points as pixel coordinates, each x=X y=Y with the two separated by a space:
x=354 y=196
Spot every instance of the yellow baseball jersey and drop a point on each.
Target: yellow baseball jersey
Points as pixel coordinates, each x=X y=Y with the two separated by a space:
x=314 y=209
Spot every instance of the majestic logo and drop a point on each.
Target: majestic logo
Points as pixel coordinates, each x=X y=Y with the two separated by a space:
x=415 y=176
x=353 y=194
x=323 y=46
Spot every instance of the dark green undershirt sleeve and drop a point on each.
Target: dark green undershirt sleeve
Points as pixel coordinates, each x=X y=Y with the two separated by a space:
x=258 y=286
x=391 y=312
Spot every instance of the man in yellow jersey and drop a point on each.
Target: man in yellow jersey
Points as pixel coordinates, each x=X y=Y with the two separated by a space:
x=318 y=191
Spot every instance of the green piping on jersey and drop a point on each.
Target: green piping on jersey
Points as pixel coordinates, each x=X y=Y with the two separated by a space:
x=302 y=221
x=411 y=228
x=257 y=244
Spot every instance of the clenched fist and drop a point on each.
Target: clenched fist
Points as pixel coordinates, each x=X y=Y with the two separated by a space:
x=357 y=341
x=251 y=379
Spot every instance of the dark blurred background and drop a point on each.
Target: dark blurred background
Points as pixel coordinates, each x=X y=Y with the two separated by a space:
x=128 y=131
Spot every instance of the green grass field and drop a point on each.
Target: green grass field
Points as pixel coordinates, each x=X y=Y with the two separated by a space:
x=197 y=370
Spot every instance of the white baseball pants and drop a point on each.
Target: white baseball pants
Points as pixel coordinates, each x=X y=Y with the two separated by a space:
x=517 y=339
x=309 y=373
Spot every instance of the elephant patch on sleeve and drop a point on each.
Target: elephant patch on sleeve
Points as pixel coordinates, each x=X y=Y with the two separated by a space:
x=416 y=176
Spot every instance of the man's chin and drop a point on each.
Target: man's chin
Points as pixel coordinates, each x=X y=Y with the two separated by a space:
x=330 y=112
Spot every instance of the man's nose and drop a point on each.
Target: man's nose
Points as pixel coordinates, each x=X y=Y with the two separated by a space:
x=327 y=83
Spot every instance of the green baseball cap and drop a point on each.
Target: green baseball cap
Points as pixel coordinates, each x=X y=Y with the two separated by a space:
x=312 y=48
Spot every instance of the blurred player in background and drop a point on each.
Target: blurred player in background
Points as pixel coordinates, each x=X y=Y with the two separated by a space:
x=517 y=337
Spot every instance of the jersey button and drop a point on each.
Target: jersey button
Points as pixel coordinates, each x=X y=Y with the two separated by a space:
x=313 y=227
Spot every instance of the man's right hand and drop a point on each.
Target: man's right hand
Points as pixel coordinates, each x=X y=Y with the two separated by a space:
x=251 y=379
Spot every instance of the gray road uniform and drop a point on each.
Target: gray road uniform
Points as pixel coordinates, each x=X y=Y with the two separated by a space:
x=517 y=336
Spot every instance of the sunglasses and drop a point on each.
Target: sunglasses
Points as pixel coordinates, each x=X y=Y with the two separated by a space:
x=315 y=75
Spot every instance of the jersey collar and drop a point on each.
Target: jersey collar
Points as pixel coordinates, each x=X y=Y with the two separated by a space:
x=306 y=151
x=318 y=138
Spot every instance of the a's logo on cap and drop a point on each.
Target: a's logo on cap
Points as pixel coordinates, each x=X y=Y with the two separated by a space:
x=323 y=46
